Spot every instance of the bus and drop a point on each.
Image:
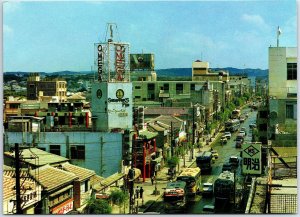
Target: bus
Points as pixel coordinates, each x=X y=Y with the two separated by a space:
x=236 y=114
x=204 y=161
x=192 y=178
x=175 y=196
x=232 y=125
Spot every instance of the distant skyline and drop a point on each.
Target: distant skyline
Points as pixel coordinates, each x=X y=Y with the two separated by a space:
x=56 y=36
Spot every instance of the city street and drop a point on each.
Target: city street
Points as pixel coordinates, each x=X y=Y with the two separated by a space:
x=196 y=205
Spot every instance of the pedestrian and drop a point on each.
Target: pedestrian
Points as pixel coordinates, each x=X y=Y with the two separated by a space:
x=137 y=190
x=152 y=179
x=141 y=192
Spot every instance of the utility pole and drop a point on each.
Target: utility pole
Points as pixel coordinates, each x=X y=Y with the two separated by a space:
x=101 y=156
x=193 y=132
x=172 y=148
x=18 y=189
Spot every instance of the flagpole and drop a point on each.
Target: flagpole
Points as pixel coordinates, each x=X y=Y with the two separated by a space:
x=278 y=33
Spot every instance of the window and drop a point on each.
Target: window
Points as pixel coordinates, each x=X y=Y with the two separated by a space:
x=137 y=87
x=78 y=152
x=292 y=71
x=137 y=97
x=263 y=127
x=166 y=87
x=179 y=88
x=291 y=111
x=192 y=87
x=263 y=114
x=86 y=185
x=150 y=86
x=55 y=149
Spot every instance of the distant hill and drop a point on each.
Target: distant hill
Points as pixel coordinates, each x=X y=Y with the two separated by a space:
x=174 y=72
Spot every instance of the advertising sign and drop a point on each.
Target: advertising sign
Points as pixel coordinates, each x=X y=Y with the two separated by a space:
x=64 y=207
x=251 y=158
x=120 y=61
x=100 y=61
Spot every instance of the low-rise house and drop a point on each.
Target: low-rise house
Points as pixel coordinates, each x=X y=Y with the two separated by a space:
x=57 y=193
x=82 y=186
x=30 y=192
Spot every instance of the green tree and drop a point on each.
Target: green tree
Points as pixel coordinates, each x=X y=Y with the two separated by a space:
x=96 y=206
x=118 y=197
x=172 y=161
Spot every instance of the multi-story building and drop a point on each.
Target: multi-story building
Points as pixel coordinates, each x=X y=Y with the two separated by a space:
x=283 y=95
x=48 y=87
x=201 y=72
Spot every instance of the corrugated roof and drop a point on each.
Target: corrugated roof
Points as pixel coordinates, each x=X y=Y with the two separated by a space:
x=80 y=172
x=108 y=181
x=50 y=177
x=39 y=157
x=96 y=180
x=155 y=127
x=147 y=134
x=167 y=119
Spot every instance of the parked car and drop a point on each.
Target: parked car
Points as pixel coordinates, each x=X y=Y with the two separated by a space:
x=227 y=167
x=215 y=154
x=252 y=126
x=244 y=129
x=208 y=209
x=223 y=140
x=208 y=189
x=228 y=135
x=234 y=161
x=246 y=115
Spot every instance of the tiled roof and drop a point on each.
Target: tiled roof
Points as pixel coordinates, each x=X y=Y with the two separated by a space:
x=9 y=184
x=96 y=179
x=167 y=119
x=80 y=172
x=147 y=134
x=50 y=177
x=155 y=127
x=108 y=181
x=39 y=157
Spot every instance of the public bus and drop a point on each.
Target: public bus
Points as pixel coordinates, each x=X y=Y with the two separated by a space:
x=236 y=114
x=232 y=125
x=204 y=161
x=192 y=178
x=175 y=196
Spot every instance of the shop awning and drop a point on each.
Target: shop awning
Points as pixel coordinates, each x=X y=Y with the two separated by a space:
x=147 y=134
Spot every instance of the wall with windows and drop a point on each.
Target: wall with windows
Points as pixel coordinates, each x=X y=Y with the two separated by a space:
x=282 y=72
x=84 y=149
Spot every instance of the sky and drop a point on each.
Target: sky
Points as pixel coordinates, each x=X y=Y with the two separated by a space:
x=55 y=36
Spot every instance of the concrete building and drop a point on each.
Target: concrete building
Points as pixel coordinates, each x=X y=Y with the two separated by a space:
x=38 y=88
x=283 y=95
x=201 y=72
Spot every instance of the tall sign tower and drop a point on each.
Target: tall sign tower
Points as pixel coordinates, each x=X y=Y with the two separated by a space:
x=112 y=91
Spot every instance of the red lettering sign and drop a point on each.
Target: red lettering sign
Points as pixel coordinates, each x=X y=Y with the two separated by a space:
x=63 y=208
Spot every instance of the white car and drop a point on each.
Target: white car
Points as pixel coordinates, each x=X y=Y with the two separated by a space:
x=208 y=189
x=228 y=135
x=242 y=132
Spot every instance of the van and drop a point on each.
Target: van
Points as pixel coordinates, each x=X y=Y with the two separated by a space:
x=234 y=161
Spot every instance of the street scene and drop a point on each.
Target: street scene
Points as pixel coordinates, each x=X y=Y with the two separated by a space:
x=149 y=107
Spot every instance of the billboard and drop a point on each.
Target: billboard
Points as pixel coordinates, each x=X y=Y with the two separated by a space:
x=251 y=158
x=141 y=62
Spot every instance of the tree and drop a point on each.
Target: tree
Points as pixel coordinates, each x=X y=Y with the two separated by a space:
x=98 y=206
x=119 y=198
x=172 y=162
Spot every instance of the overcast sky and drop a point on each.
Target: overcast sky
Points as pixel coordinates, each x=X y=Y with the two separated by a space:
x=55 y=36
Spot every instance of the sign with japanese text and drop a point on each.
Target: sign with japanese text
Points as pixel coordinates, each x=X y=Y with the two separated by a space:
x=251 y=158
x=64 y=207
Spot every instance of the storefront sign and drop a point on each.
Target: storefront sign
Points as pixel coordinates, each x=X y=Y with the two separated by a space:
x=100 y=62
x=120 y=61
x=63 y=208
x=251 y=158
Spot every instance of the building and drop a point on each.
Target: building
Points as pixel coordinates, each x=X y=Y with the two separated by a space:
x=283 y=95
x=201 y=72
x=48 y=87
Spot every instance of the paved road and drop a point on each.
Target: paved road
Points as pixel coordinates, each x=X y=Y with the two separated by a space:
x=195 y=206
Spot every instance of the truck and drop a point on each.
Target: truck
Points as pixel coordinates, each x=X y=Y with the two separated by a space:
x=204 y=161
x=175 y=195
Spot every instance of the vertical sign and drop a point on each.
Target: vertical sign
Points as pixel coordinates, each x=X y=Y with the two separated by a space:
x=252 y=158
x=120 y=61
x=100 y=62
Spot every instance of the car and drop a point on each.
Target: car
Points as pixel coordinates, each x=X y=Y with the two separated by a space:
x=246 y=115
x=227 y=167
x=242 y=119
x=239 y=142
x=228 y=135
x=208 y=189
x=208 y=209
x=223 y=140
x=215 y=154
x=234 y=161
x=242 y=132
x=252 y=126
